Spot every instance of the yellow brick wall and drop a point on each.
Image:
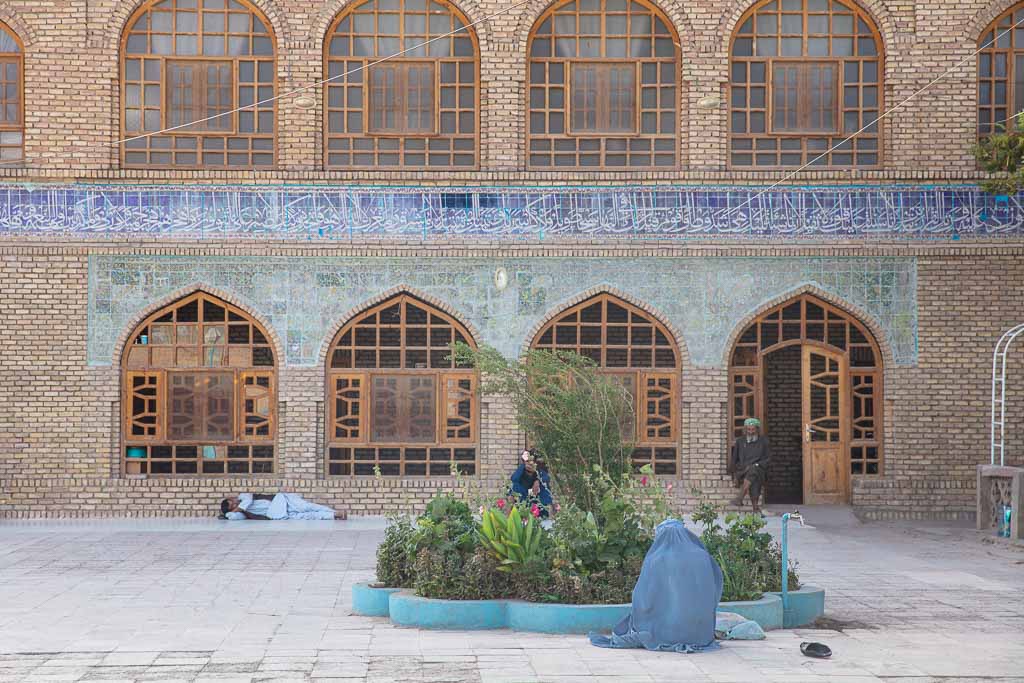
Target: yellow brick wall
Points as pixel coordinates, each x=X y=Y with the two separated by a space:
x=72 y=100
x=59 y=431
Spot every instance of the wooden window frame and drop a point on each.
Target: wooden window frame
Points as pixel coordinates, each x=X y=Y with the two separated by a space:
x=806 y=145
x=163 y=372
x=599 y=131
x=232 y=128
x=18 y=58
x=803 y=107
x=639 y=373
x=209 y=148
x=348 y=143
x=403 y=68
x=992 y=51
x=366 y=375
x=751 y=376
x=657 y=74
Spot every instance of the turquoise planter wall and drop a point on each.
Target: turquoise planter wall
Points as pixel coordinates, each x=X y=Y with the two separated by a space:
x=462 y=615
x=805 y=605
x=371 y=602
x=406 y=609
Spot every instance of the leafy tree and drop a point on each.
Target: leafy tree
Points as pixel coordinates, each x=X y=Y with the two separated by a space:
x=572 y=413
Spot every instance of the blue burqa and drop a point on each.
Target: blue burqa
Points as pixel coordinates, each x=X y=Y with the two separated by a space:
x=674 y=599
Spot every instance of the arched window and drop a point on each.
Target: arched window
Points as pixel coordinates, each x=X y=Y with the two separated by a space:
x=804 y=75
x=1001 y=73
x=416 y=110
x=183 y=61
x=12 y=111
x=602 y=86
x=638 y=351
x=395 y=398
x=199 y=392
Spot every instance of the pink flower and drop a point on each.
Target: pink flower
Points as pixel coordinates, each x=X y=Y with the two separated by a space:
x=669 y=487
x=643 y=481
x=558 y=508
x=481 y=509
x=535 y=511
x=501 y=503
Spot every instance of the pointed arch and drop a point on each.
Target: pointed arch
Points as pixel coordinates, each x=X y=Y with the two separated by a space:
x=335 y=330
x=397 y=403
x=198 y=391
x=809 y=318
x=870 y=322
x=632 y=346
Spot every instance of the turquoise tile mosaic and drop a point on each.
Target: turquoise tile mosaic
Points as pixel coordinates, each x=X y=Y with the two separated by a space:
x=305 y=298
x=333 y=214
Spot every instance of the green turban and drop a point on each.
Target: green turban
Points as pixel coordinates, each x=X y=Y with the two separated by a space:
x=751 y=422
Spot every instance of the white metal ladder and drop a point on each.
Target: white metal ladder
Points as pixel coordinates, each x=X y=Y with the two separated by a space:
x=999 y=392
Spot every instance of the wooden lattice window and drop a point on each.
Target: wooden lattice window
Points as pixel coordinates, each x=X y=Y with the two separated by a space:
x=184 y=61
x=1001 y=73
x=199 y=392
x=808 y=320
x=804 y=75
x=419 y=109
x=636 y=350
x=396 y=399
x=12 y=111
x=602 y=86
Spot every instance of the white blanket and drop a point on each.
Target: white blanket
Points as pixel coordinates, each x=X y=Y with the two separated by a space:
x=286 y=506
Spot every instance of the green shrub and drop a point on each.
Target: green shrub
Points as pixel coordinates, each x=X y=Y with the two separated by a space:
x=570 y=411
x=750 y=559
x=395 y=555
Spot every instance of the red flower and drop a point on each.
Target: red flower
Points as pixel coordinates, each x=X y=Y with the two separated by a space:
x=501 y=503
x=643 y=481
x=535 y=511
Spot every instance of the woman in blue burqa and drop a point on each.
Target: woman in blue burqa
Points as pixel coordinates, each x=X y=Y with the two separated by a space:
x=674 y=599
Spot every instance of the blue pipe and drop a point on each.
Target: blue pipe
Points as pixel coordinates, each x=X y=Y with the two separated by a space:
x=785 y=562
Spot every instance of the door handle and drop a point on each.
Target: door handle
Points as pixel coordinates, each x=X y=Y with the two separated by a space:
x=808 y=430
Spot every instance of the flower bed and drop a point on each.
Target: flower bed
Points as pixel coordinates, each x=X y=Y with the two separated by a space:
x=583 y=566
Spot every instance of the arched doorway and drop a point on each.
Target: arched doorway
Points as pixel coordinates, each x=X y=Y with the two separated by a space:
x=812 y=373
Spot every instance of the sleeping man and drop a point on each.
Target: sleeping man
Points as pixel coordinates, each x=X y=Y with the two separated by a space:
x=279 y=506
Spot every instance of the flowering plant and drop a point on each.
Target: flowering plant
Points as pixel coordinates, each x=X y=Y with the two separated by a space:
x=513 y=539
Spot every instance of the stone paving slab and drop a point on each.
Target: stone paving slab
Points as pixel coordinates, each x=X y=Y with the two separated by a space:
x=204 y=600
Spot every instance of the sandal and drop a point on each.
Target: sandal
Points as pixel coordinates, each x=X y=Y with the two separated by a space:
x=816 y=650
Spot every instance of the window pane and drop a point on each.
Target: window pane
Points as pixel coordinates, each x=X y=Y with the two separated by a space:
x=404 y=409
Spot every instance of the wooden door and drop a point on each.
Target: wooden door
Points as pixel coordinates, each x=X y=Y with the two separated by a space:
x=826 y=428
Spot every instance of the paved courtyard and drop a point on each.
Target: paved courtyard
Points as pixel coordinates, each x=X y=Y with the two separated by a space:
x=204 y=600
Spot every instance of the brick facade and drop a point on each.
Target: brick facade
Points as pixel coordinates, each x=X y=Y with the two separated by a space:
x=58 y=413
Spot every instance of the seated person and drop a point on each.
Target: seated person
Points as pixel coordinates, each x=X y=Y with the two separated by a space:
x=531 y=482
x=279 y=506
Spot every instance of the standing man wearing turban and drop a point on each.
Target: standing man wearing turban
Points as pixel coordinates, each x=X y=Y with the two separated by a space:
x=750 y=458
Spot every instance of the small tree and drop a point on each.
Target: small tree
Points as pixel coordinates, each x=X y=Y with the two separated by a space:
x=1002 y=153
x=571 y=412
